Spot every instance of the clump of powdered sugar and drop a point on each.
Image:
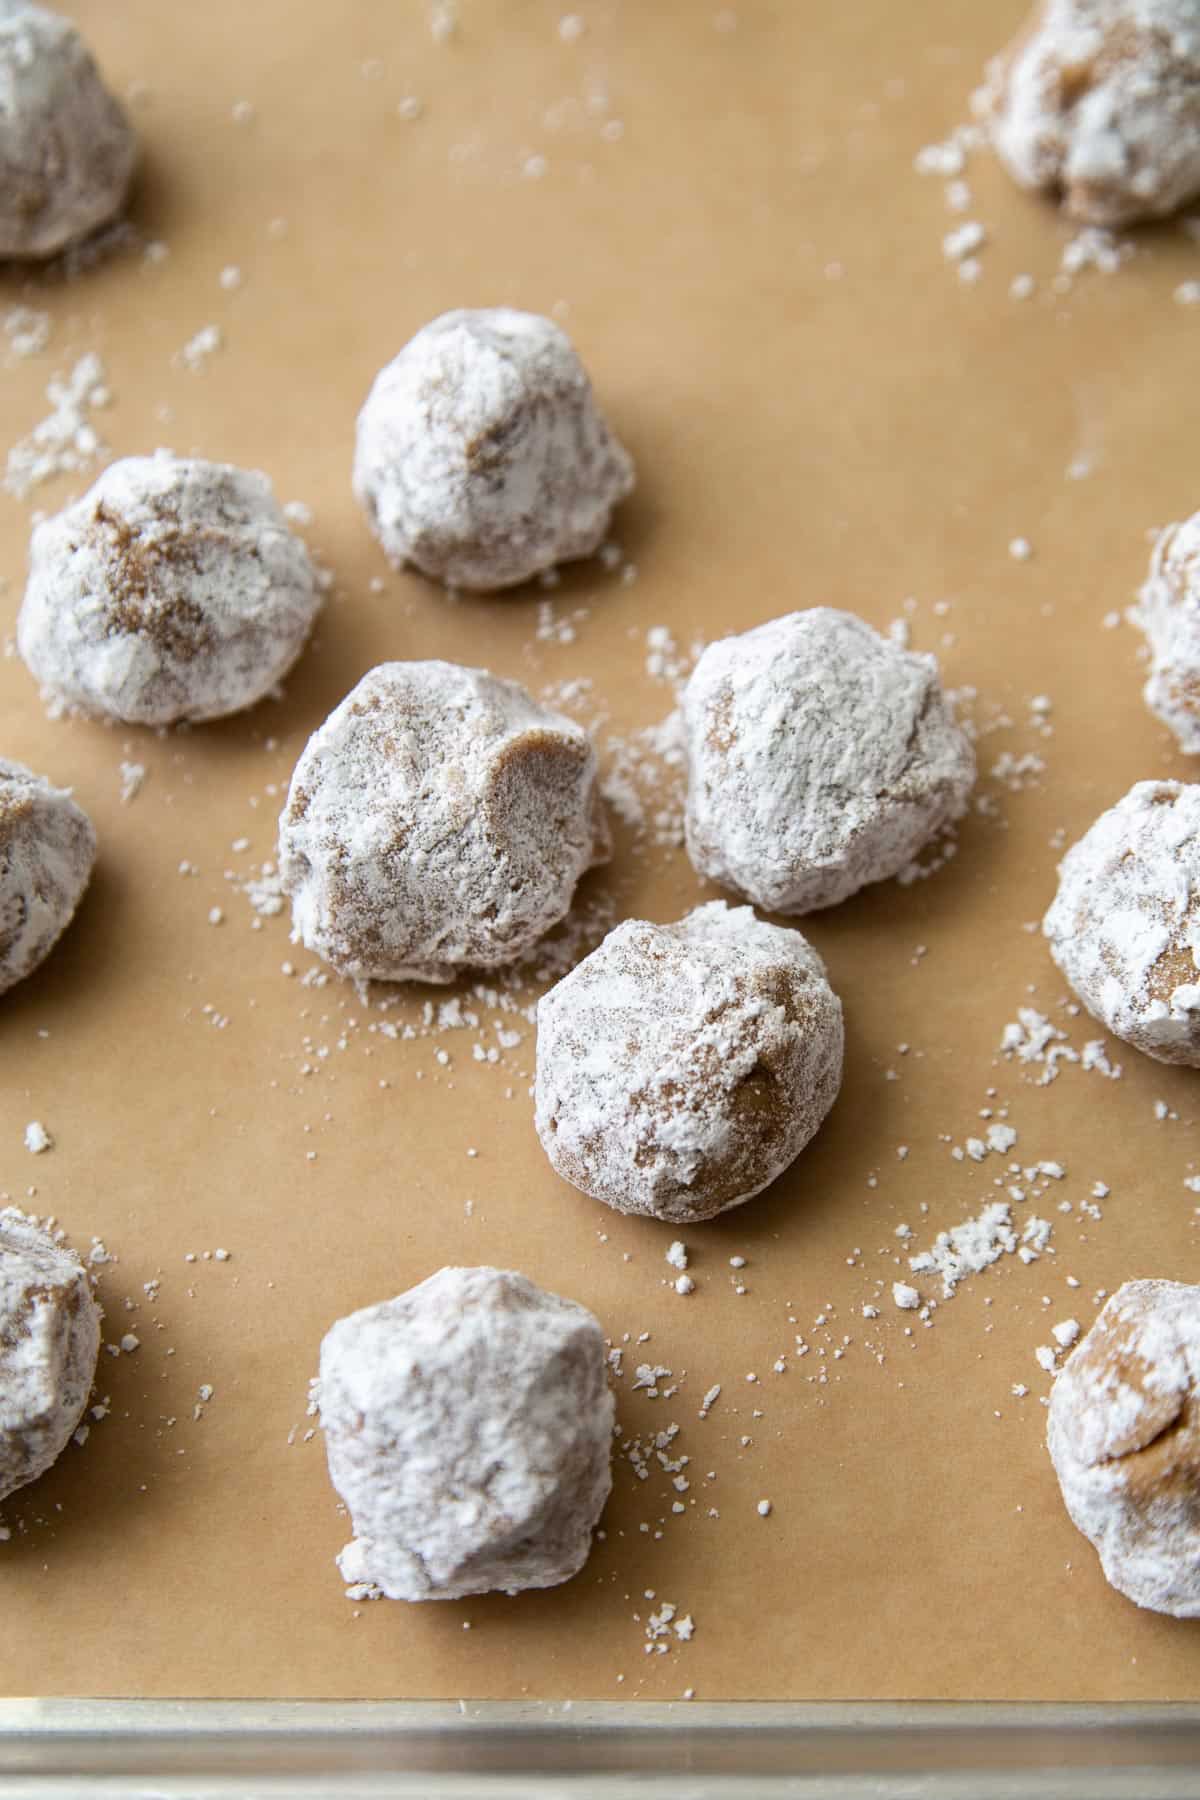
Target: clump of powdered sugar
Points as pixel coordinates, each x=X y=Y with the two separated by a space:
x=481 y=456
x=1125 y=1443
x=681 y=1068
x=821 y=757
x=65 y=441
x=1124 y=927
x=1098 y=101
x=1031 y=1038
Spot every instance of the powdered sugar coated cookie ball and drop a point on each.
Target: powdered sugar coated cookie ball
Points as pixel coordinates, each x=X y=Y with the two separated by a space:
x=468 y=1425
x=1124 y=927
x=482 y=458
x=820 y=757
x=173 y=590
x=1098 y=101
x=1169 y=614
x=49 y=1342
x=1124 y=1437
x=681 y=1068
x=438 y=820
x=66 y=148
x=47 y=848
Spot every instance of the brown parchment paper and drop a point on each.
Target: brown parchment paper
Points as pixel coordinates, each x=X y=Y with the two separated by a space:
x=727 y=220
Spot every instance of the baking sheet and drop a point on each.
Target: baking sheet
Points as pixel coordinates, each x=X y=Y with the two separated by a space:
x=725 y=217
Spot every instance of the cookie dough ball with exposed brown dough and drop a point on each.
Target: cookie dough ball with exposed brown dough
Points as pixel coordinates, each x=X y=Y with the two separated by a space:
x=173 y=590
x=1124 y=1437
x=681 y=1068
x=821 y=757
x=1169 y=614
x=468 y=1425
x=47 y=849
x=1124 y=926
x=49 y=1342
x=482 y=458
x=1098 y=101
x=438 y=821
x=66 y=148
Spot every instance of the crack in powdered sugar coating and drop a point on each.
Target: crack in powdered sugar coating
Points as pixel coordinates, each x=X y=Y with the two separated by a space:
x=681 y=1068
x=66 y=148
x=173 y=590
x=1169 y=614
x=49 y=1342
x=468 y=1425
x=1124 y=926
x=820 y=757
x=47 y=849
x=1098 y=101
x=439 y=820
x=1124 y=1436
x=481 y=456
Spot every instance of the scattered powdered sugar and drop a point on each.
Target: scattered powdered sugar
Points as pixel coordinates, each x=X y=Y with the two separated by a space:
x=65 y=441
x=199 y=350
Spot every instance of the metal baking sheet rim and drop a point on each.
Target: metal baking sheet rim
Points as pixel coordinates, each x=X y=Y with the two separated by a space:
x=463 y=1750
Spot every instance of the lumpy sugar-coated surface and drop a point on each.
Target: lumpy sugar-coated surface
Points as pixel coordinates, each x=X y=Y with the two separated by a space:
x=439 y=820
x=468 y=1425
x=47 y=849
x=482 y=458
x=821 y=757
x=681 y=1068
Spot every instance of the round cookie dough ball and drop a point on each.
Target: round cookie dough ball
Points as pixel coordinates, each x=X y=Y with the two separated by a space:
x=681 y=1068
x=49 y=1342
x=1124 y=927
x=66 y=148
x=468 y=1425
x=481 y=457
x=47 y=848
x=438 y=820
x=820 y=757
x=1169 y=614
x=1098 y=102
x=1124 y=1437
x=173 y=590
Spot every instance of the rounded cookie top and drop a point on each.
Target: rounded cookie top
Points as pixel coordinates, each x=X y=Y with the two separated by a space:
x=1098 y=101
x=681 y=1068
x=172 y=590
x=482 y=458
x=468 y=1426
x=49 y=1342
x=438 y=820
x=820 y=757
x=66 y=148
x=47 y=849
x=1169 y=614
x=1124 y=1436
x=1124 y=926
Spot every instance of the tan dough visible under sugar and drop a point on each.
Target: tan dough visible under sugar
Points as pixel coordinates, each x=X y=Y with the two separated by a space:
x=66 y=148
x=47 y=849
x=1124 y=1436
x=49 y=1342
x=468 y=1425
x=439 y=820
x=1169 y=614
x=821 y=757
x=1124 y=926
x=1098 y=101
x=681 y=1068
x=172 y=590
x=482 y=458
